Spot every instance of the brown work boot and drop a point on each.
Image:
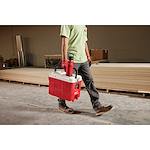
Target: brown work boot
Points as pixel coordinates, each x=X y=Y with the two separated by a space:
x=65 y=109
x=103 y=109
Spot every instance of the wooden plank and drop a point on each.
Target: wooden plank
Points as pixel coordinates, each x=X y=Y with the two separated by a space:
x=111 y=76
x=133 y=77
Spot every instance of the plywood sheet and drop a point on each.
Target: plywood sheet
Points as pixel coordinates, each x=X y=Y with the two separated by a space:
x=120 y=76
x=27 y=75
x=113 y=76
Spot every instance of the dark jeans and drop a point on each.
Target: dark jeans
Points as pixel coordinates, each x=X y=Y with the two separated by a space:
x=84 y=71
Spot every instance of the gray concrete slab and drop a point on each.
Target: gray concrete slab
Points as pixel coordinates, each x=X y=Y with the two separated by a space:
x=32 y=105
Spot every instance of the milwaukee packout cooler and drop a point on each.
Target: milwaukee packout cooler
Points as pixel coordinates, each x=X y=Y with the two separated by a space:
x=64 y=87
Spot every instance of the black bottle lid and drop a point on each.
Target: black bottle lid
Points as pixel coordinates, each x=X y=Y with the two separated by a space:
x=70 y=58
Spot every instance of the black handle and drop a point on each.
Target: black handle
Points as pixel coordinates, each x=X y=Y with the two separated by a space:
x=56 y=66
x=70 y=56
x=76 y=72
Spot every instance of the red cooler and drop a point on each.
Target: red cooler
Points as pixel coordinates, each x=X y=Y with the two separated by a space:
x=64 y=87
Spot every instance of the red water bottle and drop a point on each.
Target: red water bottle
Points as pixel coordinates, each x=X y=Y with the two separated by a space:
x=69 y=68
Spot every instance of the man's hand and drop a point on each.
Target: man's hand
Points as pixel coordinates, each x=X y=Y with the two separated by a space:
x=64 y=64
x=89 y=59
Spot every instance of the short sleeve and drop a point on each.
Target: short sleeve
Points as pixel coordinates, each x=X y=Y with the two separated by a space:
x=85 y=33
x=65 y=31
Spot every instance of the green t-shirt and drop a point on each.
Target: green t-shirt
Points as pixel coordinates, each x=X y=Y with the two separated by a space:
x=77 y=36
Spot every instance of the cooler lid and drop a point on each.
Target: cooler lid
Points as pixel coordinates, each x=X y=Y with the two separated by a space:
x=62 y=76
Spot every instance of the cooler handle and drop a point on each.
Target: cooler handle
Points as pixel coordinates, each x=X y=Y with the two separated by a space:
x=76 y=72
x=56 y=66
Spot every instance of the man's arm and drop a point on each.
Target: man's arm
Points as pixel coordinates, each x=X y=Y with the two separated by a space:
x=87 y=54
x=86 y=49
x=64 y=47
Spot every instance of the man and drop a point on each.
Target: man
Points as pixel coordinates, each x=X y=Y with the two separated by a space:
x=74 y=40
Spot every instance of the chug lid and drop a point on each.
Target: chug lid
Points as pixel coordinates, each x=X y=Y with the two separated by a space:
x=70 y=56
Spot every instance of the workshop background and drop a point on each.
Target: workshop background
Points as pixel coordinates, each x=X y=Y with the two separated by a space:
x=125 y=43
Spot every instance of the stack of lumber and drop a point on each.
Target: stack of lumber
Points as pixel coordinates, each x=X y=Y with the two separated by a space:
x=133 y=77
x=27 y=75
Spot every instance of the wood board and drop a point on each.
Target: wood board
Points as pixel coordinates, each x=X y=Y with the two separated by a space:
x=122 y=76
x=133 y=77
x=27 y=75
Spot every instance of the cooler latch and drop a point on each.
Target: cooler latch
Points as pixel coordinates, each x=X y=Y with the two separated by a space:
x=77 y=86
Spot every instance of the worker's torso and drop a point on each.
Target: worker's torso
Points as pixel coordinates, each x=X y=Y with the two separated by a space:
x=76 y=44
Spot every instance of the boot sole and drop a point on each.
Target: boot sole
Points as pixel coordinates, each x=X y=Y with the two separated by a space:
x=100 y=113
x=65 y=112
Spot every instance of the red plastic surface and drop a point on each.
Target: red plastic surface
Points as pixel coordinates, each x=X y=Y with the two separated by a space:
x=69 y=68
x=64 y=90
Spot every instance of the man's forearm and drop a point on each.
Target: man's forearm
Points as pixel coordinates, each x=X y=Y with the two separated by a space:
x=64 y=48
x=86 y=49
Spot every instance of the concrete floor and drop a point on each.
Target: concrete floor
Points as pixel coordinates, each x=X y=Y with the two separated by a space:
x=32 y=105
